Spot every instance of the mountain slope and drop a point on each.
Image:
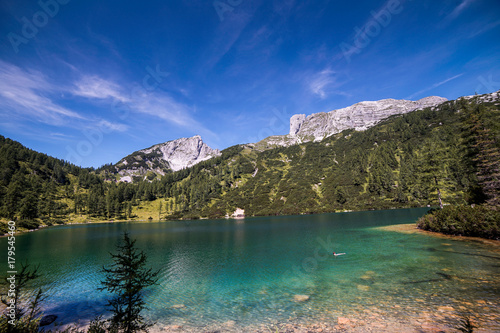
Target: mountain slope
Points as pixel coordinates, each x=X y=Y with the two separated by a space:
x=165 y=157
x=32 y=184
x=405 y=161
x=449 y=152
x=186 y=152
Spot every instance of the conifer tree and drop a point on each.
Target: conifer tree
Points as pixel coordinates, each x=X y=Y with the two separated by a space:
x=126 y=279
x=26 y=313
x=485 y=154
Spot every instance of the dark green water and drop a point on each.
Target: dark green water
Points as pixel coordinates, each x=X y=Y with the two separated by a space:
x=248 y=271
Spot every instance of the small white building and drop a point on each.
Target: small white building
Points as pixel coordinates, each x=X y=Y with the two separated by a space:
x=239 y=213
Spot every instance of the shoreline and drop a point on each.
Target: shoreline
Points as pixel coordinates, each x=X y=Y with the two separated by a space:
x=443 y=319
x=411 y=228
x=197 y=219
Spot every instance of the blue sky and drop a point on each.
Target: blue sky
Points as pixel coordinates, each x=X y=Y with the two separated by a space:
x=92 y=81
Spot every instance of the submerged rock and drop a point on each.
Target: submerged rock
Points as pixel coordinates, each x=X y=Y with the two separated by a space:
x=343 y=321
x=301 y=298
x=47 y=320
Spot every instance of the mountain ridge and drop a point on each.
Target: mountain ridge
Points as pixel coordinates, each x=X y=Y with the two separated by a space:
x=359 y=116
x=182 y=153
x=413 y=160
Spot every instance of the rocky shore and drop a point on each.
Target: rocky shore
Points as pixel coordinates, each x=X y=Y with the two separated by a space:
x=441 y=319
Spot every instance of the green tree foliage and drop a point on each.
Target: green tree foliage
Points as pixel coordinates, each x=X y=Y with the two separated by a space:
x=478 y=221
x=484 y=146
x=126 y=279
x=450 y=154
x=27 y=313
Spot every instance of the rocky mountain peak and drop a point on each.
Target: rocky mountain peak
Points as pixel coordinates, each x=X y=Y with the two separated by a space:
x=172 y=155
x=184 y=152
x=359 y=116
x=295 y=122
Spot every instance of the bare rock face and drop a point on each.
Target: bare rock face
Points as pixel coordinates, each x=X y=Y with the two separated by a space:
x=183 y=153
x=172 y=155
x=295 y=122
x=359 y=116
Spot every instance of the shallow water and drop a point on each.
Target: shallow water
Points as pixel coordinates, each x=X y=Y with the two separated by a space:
x=249 y=271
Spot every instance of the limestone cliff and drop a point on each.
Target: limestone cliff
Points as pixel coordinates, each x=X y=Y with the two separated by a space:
x=161 y=158
x=359 y=116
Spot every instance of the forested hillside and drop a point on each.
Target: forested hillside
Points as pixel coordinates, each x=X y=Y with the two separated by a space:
x=32 y=185
x=450 y=153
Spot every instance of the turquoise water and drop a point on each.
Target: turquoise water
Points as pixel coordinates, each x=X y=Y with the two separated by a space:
x=249 y=271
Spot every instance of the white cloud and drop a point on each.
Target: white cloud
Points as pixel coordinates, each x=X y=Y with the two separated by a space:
x=139 y=100
x=30 y=95
x=96 y=87
x=26 y=93
x=114 y=127
x=460 y=8
x=319 y=82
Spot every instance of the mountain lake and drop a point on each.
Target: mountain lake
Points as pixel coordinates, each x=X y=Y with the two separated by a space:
x=277 y=273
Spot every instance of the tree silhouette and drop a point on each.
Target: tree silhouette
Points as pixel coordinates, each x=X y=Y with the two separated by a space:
x=126 y=279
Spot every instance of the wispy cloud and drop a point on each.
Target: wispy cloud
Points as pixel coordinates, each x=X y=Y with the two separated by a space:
x=435 y=85
x=153 y=103
x=112 y=126
x=229 y=32
x=483 y=27
x=320 y=81
x=459 y=9
x=164 y=107
x=96 y=87
x=27 y=93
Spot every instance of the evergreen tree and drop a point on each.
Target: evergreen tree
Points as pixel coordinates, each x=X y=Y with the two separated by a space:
x=126 y=279
x=27 y=312
x=29 y=206
x=129 y=210
x=486 y=155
